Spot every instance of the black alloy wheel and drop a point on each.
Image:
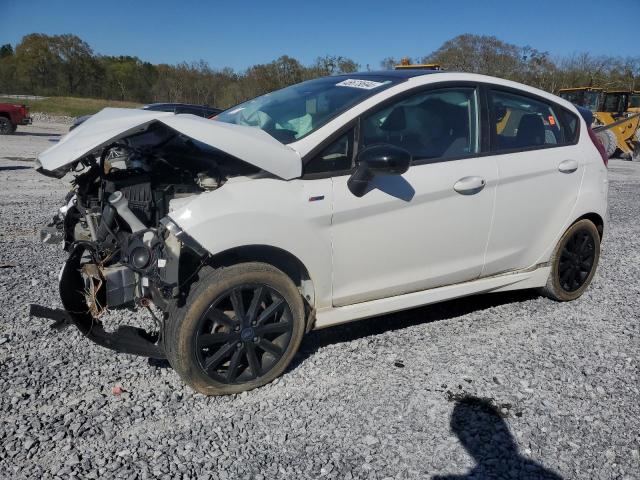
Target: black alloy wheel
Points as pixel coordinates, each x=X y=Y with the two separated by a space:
x=237 y=328
x=243 y=334
x=576 y=260
x=573 y=262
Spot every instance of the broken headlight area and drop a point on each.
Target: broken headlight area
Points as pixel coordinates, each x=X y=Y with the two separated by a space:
x=125 y=252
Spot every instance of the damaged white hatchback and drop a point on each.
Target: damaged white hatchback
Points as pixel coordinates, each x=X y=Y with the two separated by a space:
x=333 y=200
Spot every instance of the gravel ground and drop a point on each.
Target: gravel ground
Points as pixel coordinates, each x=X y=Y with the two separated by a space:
x=495 y=386
x=46 y=118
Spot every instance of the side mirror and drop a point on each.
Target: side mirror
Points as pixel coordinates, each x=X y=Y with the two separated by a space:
x=383 y=159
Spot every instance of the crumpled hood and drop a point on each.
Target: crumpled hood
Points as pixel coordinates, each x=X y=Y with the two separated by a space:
x=249 y=144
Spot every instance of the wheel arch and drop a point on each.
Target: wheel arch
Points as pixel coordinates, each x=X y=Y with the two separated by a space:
x=596 y=219
x=283 y=260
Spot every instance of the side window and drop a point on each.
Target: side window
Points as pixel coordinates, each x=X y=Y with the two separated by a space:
x=570 y=124
x=520 y=122
x=335 y=158
x=432 y=126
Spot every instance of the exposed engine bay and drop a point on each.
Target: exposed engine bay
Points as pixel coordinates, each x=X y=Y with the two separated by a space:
x=124 y=250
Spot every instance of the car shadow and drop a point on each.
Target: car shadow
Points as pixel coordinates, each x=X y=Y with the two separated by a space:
x=485 y=435
x=348 y=332
x=317 y=339
x=35 y=134
x=15 y=167
x=393 y=185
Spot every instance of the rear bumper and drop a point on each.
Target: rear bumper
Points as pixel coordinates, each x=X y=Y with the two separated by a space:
x=26 y=121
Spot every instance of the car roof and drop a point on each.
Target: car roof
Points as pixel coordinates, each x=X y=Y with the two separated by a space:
x=407 y=80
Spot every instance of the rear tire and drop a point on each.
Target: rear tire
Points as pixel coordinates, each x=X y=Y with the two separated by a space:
x=6 y=127
x=574 y=262
x=611 y=144
x=635 y=155
x=238 y=329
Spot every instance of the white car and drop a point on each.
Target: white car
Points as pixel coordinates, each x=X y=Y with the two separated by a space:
x=333 y=200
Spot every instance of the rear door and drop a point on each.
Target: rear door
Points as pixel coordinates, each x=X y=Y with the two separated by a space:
x=540 y=173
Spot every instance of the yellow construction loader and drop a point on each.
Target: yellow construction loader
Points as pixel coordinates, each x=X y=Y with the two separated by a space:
x=619 y=117
x=405 y=64
x=634 y=102
x=616 y=117
x=587 y=97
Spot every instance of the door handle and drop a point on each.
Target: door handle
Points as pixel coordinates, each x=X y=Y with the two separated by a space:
x=469 y=185
x=568 y=166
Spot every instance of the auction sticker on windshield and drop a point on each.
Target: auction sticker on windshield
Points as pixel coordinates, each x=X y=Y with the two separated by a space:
x=364 y=84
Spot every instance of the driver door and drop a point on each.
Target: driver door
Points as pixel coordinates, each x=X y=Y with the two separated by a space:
x=428 y=227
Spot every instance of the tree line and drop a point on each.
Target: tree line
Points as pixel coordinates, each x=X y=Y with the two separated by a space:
x=491 y=56
x=65 y=65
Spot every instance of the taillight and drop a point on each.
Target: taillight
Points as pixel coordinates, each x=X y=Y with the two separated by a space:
x=598 y=144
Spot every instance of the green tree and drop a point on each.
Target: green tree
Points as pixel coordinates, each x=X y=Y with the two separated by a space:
x=332 y=65
x=37 y=64
x=128 y=78
x=478 y=54
x=77 y=65
x=6 y=50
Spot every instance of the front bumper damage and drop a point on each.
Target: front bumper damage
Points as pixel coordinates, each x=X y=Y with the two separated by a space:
x=82 y=314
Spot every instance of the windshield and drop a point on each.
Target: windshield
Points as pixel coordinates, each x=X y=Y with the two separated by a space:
x=293 y=112
x=591 y=100
x=614 y=102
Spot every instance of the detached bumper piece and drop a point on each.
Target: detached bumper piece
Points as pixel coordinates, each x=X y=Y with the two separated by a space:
x=126 y=339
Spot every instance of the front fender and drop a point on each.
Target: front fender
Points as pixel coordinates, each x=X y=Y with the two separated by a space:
x=294 y=216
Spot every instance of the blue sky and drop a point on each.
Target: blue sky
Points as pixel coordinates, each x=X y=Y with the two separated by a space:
x=244 y=32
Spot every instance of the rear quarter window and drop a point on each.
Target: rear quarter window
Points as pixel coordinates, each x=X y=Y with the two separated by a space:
x=522 y=122
x=570 y=125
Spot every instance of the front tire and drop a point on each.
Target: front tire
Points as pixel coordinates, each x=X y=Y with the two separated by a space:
x=574 y=262
x=238 y=329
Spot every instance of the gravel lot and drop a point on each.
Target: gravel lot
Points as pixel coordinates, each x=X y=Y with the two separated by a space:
x=500 y=386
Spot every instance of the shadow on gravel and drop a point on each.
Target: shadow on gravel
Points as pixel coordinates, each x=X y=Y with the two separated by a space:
x=485 y=436
x=315 y=340
x=20 y=159
x=15 y=167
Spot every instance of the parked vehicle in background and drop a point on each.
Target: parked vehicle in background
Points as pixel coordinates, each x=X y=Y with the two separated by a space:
x=587 y=97
x=620 y=121
x=199 y=110
x=333 y=200
x=634 y=102
x=616 y=117
x=12 y=115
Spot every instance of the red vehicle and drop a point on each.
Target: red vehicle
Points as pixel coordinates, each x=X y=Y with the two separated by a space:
x=11 y=116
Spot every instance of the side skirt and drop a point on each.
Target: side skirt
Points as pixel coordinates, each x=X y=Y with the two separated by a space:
x=497 y=283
